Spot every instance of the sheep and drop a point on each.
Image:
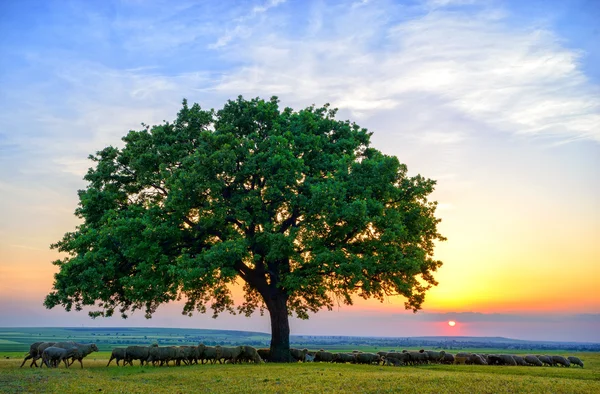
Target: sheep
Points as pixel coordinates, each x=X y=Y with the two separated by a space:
x=309 y=358
x=419 y=357
x=532 y=360
x=297 y=354
x=189 y=354
x=448 y=359
x=462 y=358
x=33 y=350
x=40 y=350
x=324 y=356
x=367 y=358
x=519 y=360
x=249 y=353
x=477 y=359
x=560 y=360
x=546 y=360
x=344 y=358
x=52 y=356
x=501 y=359
x=435 y=357
x=575 y=361
x=137 y=353
x=208 y=353
x=162 y=355
x=264 y=353
x=84 y=349
x=394 y=358
x=230 y=354
x=118 y=353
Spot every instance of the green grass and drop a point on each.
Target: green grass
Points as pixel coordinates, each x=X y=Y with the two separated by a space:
x=294 y=378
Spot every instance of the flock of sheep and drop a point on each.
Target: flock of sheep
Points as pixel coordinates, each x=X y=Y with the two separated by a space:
x=52 y=354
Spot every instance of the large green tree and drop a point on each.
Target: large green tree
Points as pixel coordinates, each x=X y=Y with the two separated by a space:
x=294 y=205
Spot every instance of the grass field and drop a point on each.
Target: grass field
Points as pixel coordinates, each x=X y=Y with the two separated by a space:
x=296 y=378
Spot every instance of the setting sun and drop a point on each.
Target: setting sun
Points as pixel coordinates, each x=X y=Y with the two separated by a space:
x=451 y=323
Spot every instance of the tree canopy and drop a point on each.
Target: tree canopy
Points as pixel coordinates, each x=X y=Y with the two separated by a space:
x=295 y=206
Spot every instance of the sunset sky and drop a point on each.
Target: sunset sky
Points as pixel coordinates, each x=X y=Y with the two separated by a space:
x=499 y=101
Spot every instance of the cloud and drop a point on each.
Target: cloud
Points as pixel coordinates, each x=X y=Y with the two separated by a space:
x=470 y=64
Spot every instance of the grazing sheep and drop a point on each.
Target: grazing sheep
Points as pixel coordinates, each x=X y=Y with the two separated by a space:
x=309 y=358
x=137 y=353
x=230 y=354
x=477 y=359
x=546 y=360
x=575 y=361
x=448 y=359
x=343 y=358
x=560 y=360
x=532 y=360
x=435 y=357
x=33 y=351
x=324 y=356
x=367 y=358
x=52 y=356
x=118 y=353
x=250 y=353
x=264 y=353
x=519 y=360
x=395 y=358
x=298 y=355
x=462 y=358
x=419 y=357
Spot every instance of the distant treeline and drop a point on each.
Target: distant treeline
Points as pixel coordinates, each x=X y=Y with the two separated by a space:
x=19 y=339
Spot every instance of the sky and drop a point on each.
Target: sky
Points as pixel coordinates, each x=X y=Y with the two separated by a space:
x=497 y=100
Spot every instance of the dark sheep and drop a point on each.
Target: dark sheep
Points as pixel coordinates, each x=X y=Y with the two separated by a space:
x=207 y=353
x=230 y=354
x=575 y=361
x=343 y=358
x=417 y=358
x=324 y=356
x=546 y=360
x=40 y=350
x=394 y=358
x=532 y=360
x=367 y=358
x=462 y=358
x=560 y=360
x=448 y=359
x=162 y=355
x=519 y=360
x=435 y=357
x=477 y=359
x=137 y=353
x=52 y=356
x=118 y=353
x=33 y=351
x=264 y=353
x=84 y=349
x=298 y=355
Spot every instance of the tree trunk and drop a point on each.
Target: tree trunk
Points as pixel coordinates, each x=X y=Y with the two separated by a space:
x=280 y=329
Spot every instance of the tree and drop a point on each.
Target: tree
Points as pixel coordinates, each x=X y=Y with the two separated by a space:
x=294 y=205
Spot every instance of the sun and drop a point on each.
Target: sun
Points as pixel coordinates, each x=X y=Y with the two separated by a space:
x=451 y=323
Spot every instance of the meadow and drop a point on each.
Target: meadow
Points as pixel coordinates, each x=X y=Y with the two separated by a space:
x=300 y=377
x=268 y=377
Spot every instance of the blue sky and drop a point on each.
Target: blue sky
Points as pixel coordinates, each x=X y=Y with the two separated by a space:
x=497 y=100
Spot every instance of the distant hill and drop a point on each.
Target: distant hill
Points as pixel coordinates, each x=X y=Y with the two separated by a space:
x=19 y=339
